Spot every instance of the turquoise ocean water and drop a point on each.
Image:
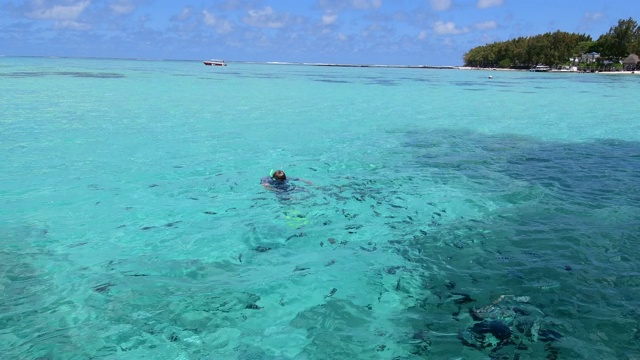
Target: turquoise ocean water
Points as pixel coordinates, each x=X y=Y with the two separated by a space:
x=451 y=216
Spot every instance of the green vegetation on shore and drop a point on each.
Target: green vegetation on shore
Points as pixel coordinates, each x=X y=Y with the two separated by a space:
x=557 y=48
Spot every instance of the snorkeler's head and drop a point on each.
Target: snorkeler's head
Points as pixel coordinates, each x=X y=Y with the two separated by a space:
x=279 y=175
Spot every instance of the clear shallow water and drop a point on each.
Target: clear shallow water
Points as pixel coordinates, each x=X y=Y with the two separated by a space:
x=451 y=216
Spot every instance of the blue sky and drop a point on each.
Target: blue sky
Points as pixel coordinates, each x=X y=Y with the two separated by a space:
x=425 y=32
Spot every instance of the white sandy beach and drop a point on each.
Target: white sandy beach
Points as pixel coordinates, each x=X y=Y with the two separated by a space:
x=552 y=71
x=620 y=72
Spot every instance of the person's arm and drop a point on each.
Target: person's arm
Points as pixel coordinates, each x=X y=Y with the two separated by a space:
x=304 y=181
x=265 y=183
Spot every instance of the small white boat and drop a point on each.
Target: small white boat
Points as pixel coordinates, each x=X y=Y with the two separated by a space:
x=540 y=68
x=566 y=68
x=214 y=62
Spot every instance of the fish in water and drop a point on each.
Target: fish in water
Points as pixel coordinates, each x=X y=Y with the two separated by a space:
x=296 y=235
x=333 y=261
x=261 y=248
x=480 y=335
x=495 y=327
x=371 y=249
x=331 y=293
x=171 y=224
x=462 y=298
x=103 y=288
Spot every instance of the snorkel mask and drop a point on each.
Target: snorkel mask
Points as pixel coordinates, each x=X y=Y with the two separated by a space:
x=281 y=176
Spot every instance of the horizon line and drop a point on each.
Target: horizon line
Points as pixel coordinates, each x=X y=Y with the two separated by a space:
x=246 y=62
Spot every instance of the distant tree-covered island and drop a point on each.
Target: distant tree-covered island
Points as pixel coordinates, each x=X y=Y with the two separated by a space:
x=561 y=48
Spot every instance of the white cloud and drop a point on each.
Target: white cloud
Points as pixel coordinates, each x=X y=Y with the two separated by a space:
x=422 y=35
x=441 y=5
x=57 y=12
x=222 y=26
x=264 y=18
x=487 y=25
x=328 y=19
x=336 y=5
x=122 y=7
x=366 y=4
x=448 y=28
x=186 y=13
x=483 y=4
x=208 y=18
x=71 y=24
x=373 y=30
x=593 y=16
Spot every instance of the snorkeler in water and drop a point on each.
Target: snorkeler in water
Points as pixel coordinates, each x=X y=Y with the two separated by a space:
x=277 y=181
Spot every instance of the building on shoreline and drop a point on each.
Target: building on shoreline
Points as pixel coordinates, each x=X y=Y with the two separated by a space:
x=630 y=63
x=589 y=57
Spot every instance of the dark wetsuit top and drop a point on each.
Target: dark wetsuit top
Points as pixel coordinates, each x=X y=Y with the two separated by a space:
x=280 y=186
